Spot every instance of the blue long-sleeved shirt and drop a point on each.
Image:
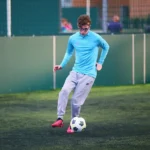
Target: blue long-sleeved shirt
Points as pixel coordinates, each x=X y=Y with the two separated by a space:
x=86 y=52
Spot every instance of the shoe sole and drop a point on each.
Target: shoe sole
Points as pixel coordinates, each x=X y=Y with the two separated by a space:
x=57 y=126
x=70 y=132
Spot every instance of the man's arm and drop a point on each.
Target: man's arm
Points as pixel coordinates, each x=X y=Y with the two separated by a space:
x=68 y=54
x=105 y=48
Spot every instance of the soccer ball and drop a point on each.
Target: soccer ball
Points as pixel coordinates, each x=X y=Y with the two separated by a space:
x=77 y=124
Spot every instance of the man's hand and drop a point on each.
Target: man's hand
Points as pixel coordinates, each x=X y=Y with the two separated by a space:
x=98 y=66
x=57 y=67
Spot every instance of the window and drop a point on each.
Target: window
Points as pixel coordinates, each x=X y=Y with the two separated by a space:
x=66 y=3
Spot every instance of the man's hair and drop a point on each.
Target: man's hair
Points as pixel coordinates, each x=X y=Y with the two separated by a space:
x=83 y=20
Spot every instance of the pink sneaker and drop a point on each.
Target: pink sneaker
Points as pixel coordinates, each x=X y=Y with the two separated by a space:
x=58 y=123
x=69 y=130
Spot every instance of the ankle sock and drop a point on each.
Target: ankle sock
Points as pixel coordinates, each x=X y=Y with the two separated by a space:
x=59 y=119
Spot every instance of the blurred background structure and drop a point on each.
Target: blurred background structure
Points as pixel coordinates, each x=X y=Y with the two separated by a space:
x=43 y=17
x=34 y=34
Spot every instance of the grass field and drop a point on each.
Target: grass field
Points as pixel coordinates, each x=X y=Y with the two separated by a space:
x=118 y=118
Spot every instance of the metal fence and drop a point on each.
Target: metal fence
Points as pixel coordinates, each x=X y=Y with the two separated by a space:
x=43 y=17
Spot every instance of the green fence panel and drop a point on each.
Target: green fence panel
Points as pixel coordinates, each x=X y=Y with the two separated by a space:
x=117 y=68
x=138 y=55
x=35 y=17
x=3 y=22
x=148 y=58
x=25 y=64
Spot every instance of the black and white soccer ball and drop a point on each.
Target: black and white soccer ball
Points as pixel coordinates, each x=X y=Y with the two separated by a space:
x=78 y=124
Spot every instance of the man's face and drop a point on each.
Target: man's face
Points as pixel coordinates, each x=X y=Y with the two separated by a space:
x=84 y=29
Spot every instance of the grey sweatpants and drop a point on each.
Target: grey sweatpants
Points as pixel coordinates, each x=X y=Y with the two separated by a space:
x=81 y=85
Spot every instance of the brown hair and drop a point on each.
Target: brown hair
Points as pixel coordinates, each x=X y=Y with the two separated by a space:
x=83 y=20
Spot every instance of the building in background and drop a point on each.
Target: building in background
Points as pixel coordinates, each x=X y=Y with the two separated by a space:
x=132 y=13
x=136 y=8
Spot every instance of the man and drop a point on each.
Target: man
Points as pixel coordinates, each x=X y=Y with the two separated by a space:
x=115 y=26
x=83 y=74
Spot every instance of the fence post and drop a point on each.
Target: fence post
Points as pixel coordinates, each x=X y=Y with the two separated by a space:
x=133 y=60
x=104 y=15
x=144 y=59
x=88 y=7
x=54 y=62
x=8 y=6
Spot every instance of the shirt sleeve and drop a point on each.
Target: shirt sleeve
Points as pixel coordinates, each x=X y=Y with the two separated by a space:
x=105 y=48
x=68 y=54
